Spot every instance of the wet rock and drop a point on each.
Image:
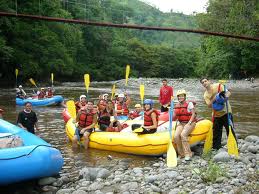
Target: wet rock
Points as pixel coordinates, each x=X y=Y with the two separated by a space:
x=47 y=181
x=172 y=174
x=221 y=157
x=252 y=138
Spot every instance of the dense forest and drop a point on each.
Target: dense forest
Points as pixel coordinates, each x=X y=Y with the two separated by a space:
x=38 y=48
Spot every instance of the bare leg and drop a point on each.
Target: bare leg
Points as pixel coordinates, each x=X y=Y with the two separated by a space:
x=177 y=139
x=86 y=139
x=74 y=142
x=185 y=138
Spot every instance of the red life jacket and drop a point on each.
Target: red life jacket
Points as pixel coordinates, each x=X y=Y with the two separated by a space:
x=41 y=94
x=147 y=117
x=134 y=114
x=181 y=112
x=123 y=106
x=104 y=118
x=86 y=118
x=50 y=94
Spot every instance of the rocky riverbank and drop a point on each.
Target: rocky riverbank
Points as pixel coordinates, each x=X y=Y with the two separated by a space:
x=217 y=172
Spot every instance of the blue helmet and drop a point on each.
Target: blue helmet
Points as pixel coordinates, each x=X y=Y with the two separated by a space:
x=148 y=101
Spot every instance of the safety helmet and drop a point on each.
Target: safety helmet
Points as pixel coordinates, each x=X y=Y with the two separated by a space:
x=82 y=96
x=42 y=88
x=116 y=94
x=20 y=86
x=179 y=92
x=104 y=95
x=148 y=101
x=121 y=96
x=48 y=87
x=137 y=106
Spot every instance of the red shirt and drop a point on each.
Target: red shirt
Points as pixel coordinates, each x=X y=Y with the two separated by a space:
x=165 y=94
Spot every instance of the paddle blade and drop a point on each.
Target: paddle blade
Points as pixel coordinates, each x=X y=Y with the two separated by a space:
x=138 y=130
x=208 y=142
x=87 y=81
x=222 y=81
x=127 y=74
x=71 y=108
x=142 y=92
x=171 y=158
x=52 y=78
x=16 y=72
x=33 y=82
x=232 y=144
x=113 y=91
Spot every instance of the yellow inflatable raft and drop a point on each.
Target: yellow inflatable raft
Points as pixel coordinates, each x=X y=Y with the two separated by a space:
x=132 y=143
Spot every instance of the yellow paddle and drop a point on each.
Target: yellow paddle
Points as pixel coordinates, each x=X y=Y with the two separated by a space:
x=71 y=108
x=33 y=82
x=16 y=75
x=171 y=158
x=231 y=143
x=127 y=74
x=52 y=78
x=87 y=82
x=142 y=92
x=113 y=91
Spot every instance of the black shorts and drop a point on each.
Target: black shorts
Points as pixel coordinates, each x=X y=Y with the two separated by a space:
x=81 y=135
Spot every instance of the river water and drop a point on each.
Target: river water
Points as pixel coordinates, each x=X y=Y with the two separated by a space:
x=244 y=101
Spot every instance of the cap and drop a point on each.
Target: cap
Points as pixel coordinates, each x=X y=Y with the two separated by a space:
x=137 y=106
x=121 y=96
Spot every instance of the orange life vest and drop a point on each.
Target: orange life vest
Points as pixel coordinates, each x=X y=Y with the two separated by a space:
x=123 y=106
x=181 y=112
x=86 y=118
x=147 y=117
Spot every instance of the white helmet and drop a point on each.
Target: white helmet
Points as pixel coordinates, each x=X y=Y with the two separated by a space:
x=20 y=86
x=121 y=96
x=105 y=95
x=82 y=96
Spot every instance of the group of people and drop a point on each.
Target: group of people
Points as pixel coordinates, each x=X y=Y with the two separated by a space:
x=42 y=93
x=184 y=113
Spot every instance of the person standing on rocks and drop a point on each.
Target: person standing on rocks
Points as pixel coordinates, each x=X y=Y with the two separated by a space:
x=219 y=116
x=27 y=119
x=184 y=112
x=165 y=96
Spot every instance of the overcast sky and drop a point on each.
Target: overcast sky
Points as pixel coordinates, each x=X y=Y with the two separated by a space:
x=185 y=6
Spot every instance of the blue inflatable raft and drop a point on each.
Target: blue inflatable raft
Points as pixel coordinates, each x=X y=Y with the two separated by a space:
x=42 y=102
x=35 y=159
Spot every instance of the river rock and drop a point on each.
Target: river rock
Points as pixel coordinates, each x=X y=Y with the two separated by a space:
x=129 y=186
x=253 y=149
x=221 y=157
x=174 y=191
x=46 y=181
x=95 y=186
x=65 y=191
x=155 y=188
x=79 y=192
x=151 y=179
x=252 y=138
x=172 y=174
x=103 y=173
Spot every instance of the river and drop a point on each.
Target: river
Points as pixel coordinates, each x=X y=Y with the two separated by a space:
x=244 y=101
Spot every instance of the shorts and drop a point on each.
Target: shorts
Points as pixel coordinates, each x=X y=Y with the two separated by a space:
x=81 y=135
